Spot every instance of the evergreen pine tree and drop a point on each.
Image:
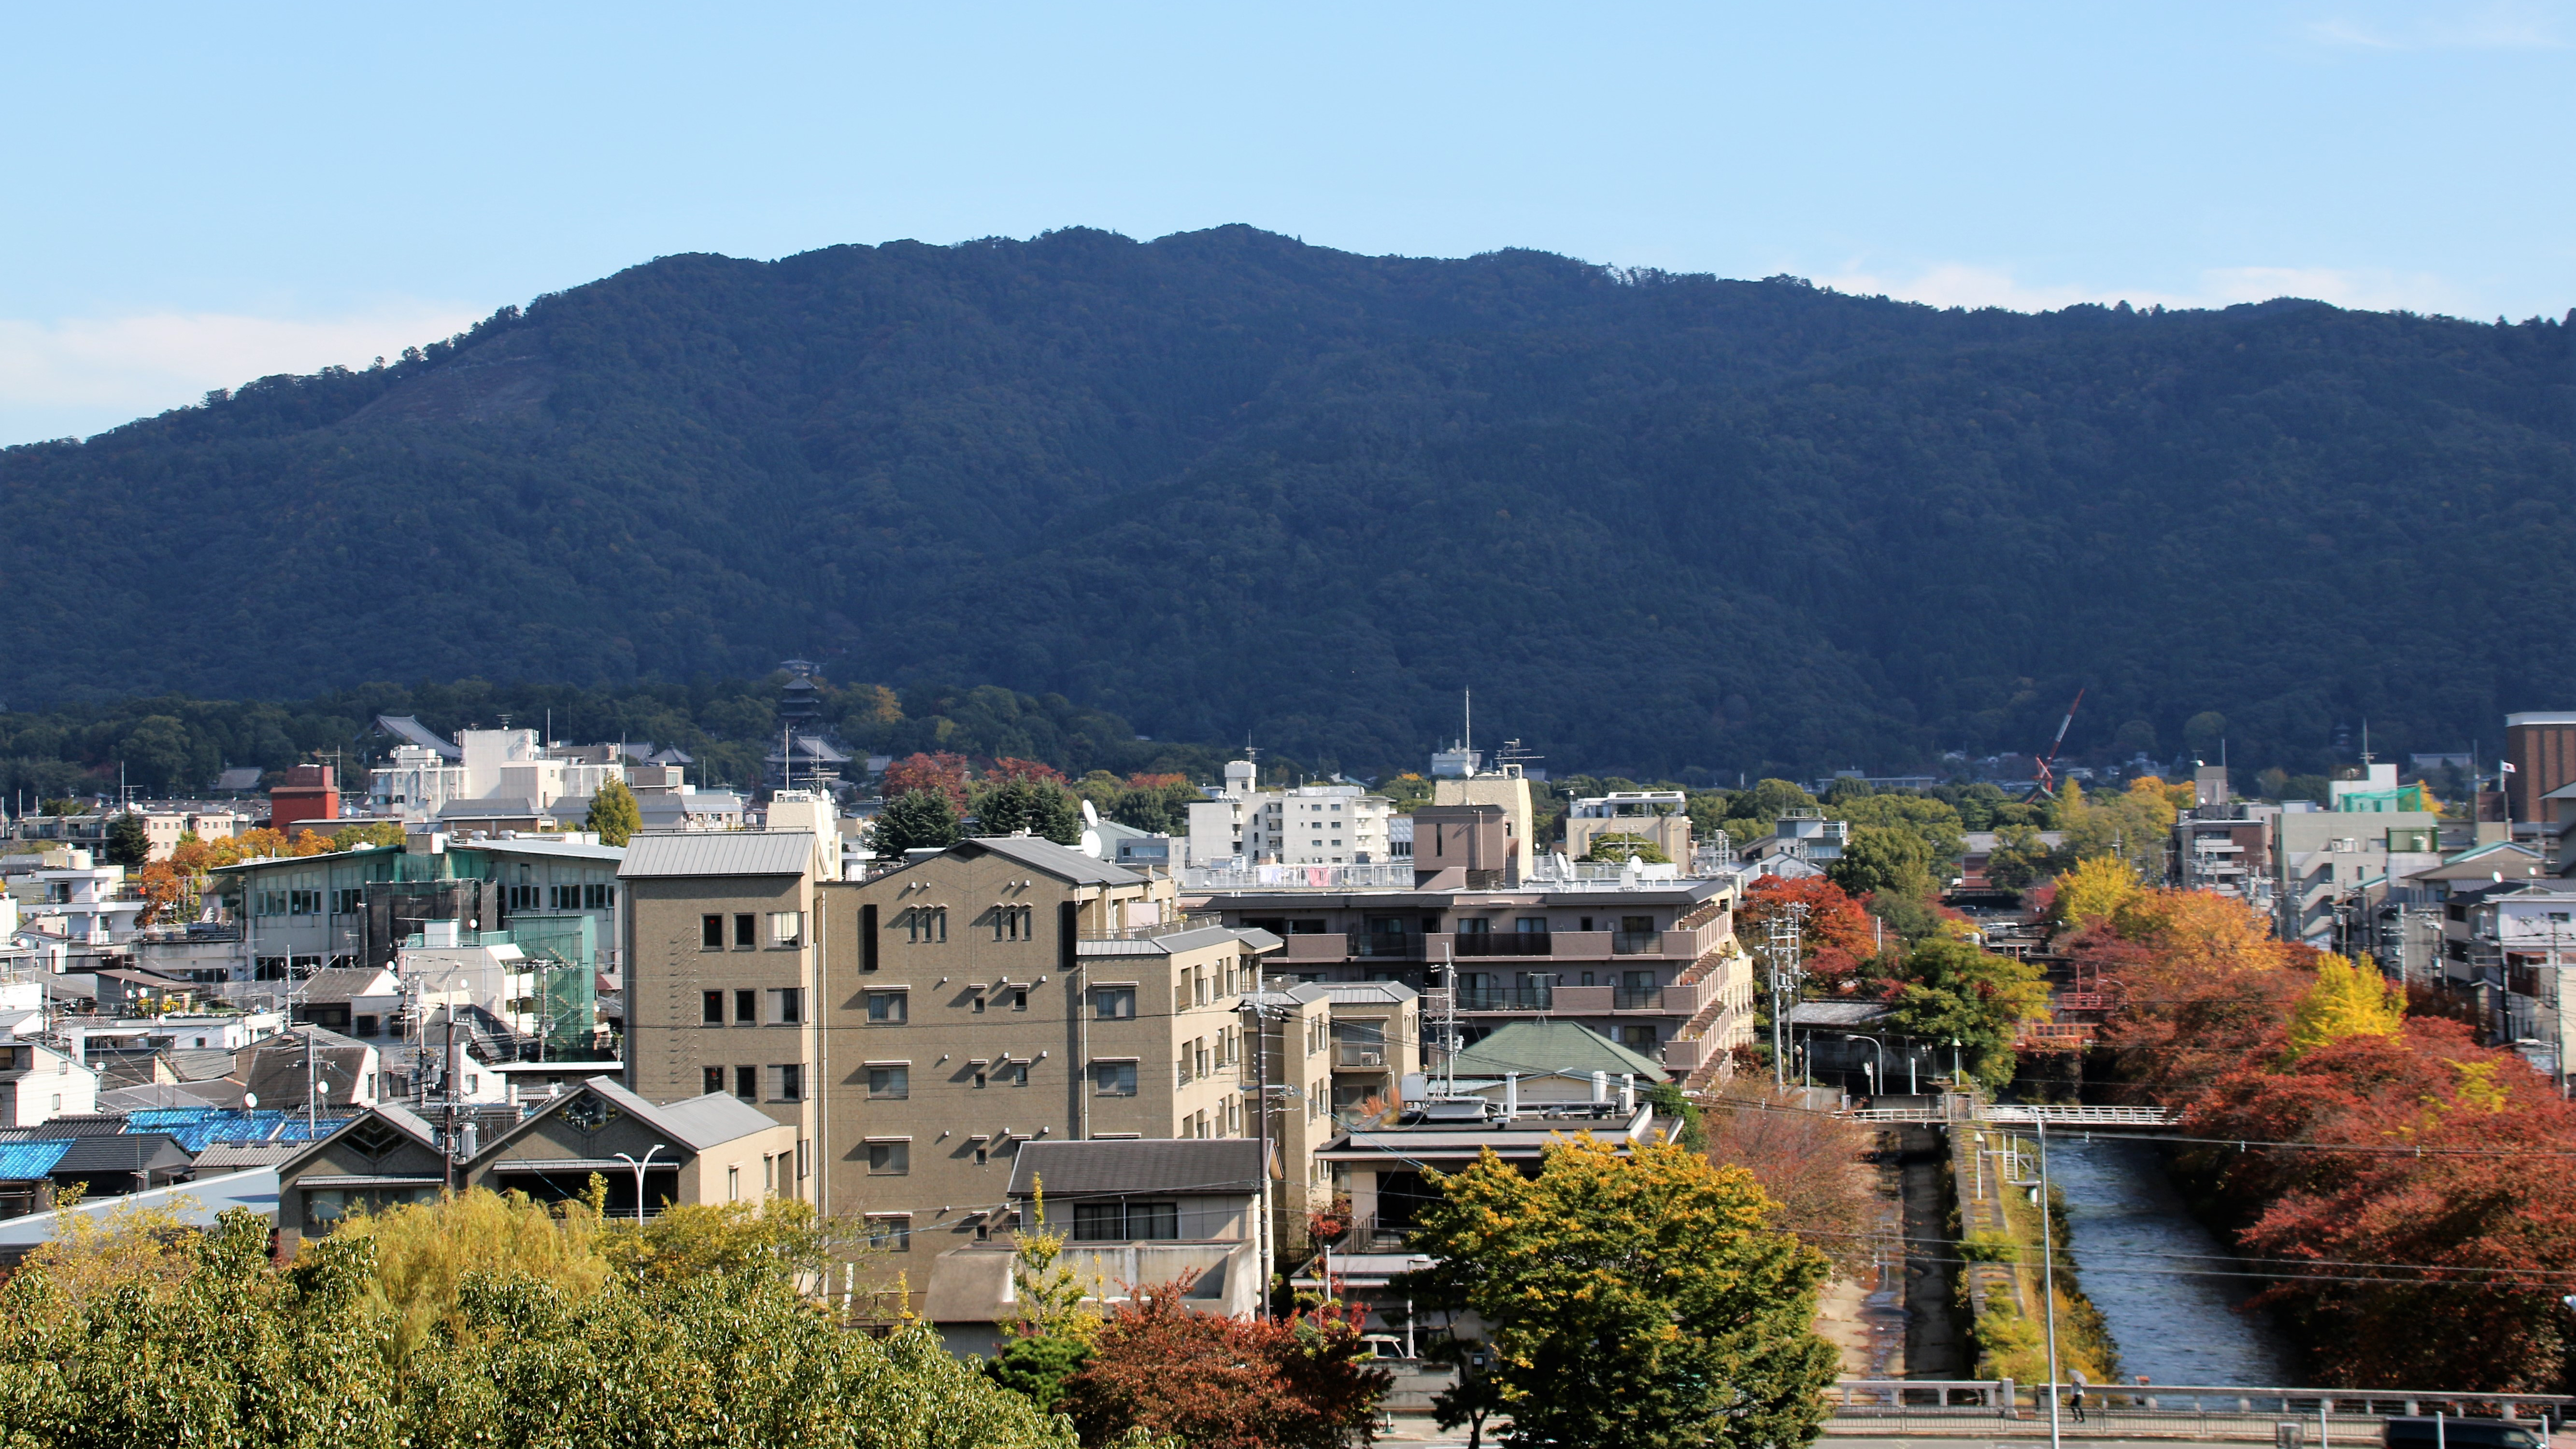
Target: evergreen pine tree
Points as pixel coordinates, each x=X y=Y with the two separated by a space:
x=915 y=820
x=127 y=845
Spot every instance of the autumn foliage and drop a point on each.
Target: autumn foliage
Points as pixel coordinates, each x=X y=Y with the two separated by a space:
x=1226 y=1383
x=1838 y=934
x=2407 y=1184
x=940 y=774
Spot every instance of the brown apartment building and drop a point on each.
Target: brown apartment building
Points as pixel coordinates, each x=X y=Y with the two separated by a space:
x=921 y=1025
x=2541 y=747
x=724 y=974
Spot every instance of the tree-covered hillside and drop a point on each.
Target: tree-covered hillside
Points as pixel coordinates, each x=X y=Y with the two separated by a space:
x=1225 y=485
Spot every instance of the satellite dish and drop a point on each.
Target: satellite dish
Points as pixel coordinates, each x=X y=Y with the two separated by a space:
x=1090 y=816
x=250 y=1101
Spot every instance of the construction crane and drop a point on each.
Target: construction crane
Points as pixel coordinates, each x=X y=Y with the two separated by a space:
x=2044 y=778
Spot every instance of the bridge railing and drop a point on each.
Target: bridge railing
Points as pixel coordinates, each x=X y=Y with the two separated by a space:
x=2002 y=1406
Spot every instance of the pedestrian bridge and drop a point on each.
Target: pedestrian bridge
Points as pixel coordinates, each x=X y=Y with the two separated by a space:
x=2016 y=1114
x=1991 y=1409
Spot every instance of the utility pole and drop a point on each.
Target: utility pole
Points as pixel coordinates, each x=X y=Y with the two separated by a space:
x=2048 y=1280
x=1783 y=947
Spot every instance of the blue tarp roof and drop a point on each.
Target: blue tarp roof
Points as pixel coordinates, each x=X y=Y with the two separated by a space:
x=198 y=1128
x=20 y=1161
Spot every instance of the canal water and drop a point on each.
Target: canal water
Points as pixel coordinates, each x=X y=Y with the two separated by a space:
x=2134 y=1245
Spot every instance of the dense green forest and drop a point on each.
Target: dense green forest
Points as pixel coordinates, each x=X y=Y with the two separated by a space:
x=1227 y=486
x=175 y=745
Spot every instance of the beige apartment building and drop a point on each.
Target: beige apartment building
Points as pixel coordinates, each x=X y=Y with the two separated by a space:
x=1008 y=991
x=724 y=974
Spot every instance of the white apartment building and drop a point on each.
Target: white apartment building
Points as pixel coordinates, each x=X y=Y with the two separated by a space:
x=1298 y=825
x=490 y=765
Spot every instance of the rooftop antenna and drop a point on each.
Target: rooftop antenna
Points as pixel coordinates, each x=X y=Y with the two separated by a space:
x=1469 y=742
x=2365 y=743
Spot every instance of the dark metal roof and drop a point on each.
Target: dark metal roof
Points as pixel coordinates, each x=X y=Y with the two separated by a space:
x=1128 y=1167
x=126 y=1152
x=412 y=732
x=1061 y=861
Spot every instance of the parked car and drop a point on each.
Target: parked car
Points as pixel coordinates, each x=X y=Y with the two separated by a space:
x=2425 y=1431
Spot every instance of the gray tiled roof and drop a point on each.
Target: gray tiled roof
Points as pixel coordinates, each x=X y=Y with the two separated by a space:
x=1094 y=1169
x=125 y=1152
x=719 y=852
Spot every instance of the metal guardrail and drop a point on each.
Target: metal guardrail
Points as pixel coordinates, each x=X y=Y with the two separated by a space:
x=2014 y=1114
x=2000 y=1406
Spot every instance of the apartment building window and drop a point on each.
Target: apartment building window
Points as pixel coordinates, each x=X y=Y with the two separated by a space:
x=887 y=1008
x=890 y=1231
x=981 y=1074
x=787 y=1082
x=520 y=897
x=563 y=897
x=746 y=933
x=983 y=1151
x=1015 y=923
x=711 y=1008
x=599 y=896
x=1637 y=1038
x=889 y=1081
x=786 y=928
x=304 y=903
x=892 y=1158
x=711 y=933
x=1019 y=998
x=927 y=925
x=746 y=1007
x=1113 y=1003
x=746 y=1083
x=1124 y=1222
x=1200 y=1054
x=1015 y=1073
x=349 y=900
x=733 y=1184
x=712 y=1079
x=1113 y=1079
x=786 y=1006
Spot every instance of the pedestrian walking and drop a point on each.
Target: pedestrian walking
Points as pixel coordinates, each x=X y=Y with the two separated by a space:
x=2077 y=1382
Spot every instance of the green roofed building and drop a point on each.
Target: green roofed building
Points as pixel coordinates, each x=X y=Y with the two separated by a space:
x=1551 y=1061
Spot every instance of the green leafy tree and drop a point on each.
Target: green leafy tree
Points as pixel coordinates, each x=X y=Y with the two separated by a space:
x=1951 y=989
x=1635 y=1300
x=2021 y=859
x=1040 y=807
x=1619 y=848
x=915 y=820
x=613 y=813
x=1887 y=860
x=362 y=837
x=127 y=843
x=1475 y=1396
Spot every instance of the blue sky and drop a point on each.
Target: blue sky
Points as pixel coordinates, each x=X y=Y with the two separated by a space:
x=199 y=195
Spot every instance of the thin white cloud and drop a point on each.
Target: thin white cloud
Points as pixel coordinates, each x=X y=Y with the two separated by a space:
x=2501 y=26
x=105 y=370
x=1953 y=284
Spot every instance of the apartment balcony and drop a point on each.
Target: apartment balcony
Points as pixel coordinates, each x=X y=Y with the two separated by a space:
x=1320 y=948
x=1637 y=943
x=1387 y=945
x=1528 y=997
x=1503 y=943
x=1359 y=1056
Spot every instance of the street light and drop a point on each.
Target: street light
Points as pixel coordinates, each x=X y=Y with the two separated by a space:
x=1880 y=1073
x=639 y=1175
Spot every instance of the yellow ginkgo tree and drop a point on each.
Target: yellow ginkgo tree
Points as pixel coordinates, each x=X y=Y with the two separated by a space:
x=2349 y=999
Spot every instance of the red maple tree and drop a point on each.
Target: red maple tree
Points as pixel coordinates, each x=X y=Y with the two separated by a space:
x=1838 y=934
x=940 y=774
x=1303 y=1382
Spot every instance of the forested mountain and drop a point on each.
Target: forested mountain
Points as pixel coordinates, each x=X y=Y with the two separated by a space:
x=1225 y=485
